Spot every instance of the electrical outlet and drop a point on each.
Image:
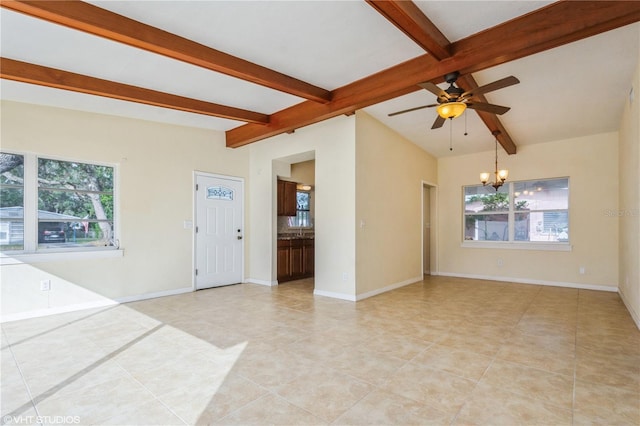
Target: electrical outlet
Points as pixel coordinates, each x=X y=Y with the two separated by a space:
x=345 y=276
x=45 y=285
x=500 y=263
x=582 y=270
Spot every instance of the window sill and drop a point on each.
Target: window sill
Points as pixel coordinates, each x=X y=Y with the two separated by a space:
x=58 y=256
x=517 y=245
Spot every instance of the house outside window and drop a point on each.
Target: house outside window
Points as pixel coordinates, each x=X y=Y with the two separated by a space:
x=50 y=204
x=11 y=202
x=535 y=211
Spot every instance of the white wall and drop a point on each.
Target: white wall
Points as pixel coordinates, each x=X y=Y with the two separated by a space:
x=333 y=142
x=629 y=209
x=155 y=164
x=591 y=163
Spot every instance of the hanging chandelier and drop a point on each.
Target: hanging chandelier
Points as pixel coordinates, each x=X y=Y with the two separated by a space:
x=500 y=175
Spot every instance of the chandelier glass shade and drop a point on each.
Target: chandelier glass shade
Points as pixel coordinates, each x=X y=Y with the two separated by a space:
x=451 y=109
x=500 y=175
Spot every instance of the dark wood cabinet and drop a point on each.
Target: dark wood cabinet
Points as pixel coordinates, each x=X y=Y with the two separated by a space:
x=287 y=198
x=284 y=262
x=308 y=255
x=295 y=259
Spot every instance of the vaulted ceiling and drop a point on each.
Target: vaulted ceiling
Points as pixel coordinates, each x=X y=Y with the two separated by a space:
x=258 y=69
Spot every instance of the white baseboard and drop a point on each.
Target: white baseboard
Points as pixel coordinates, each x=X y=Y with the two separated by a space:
x=146 y=296
x=388 y=288
x=368 y=294
x=634 y=314
x=90 y=305
x=57 y=310
x=532 y=281
x=342 y=296
x=261 y=282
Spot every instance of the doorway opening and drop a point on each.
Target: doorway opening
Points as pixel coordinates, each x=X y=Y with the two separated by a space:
x=429 y=230
x=295 y=221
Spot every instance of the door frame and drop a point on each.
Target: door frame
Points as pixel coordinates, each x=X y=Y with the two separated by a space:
x=433 y=226
x=194 y=202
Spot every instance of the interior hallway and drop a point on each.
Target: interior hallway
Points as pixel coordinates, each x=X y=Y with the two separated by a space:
x=440 y=351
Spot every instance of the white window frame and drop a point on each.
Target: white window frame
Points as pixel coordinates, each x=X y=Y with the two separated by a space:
x=512 y=244
x=31 y=253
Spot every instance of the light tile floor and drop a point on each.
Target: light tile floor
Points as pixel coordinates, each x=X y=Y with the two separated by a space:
x=441 y=351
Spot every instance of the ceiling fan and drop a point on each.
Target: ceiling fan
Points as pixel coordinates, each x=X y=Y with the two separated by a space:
x=454 y=100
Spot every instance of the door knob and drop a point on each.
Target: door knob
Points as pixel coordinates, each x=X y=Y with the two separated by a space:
x=239 y=237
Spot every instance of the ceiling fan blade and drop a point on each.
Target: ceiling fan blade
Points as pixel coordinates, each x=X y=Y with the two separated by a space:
x=438 y=122
x=412 y=109
x=498 y=84
x=434 y=89
x=494 y=109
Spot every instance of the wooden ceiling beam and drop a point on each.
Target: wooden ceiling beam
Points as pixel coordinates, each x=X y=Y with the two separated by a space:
x=492 y=121
x=554 y=25
x=416 y=25
x=24 y=72
x=101 y=22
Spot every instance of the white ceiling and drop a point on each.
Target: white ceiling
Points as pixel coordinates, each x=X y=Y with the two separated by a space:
x=565 y=92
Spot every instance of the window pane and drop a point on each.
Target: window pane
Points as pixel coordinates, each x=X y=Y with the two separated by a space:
x=302 y=200
x=11 y=219
x=486 y=227
x=52 y=234
x=11 y=202
x=75 y=204
x=551 y=194
x=485 y=198
x=69 y=205
x=11 y=169
x=301 y=219
x=542 y=226
x=70 y=175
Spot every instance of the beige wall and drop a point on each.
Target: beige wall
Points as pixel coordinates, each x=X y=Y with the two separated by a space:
x=591 y=163
x=390 y=172
x=629 y=209
x=304 y=172
x=155 y=165
x=332 y=144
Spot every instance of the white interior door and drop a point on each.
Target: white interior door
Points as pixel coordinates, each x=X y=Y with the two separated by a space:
x=219 y=231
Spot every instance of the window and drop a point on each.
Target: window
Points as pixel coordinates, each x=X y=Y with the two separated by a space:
x=302 y=219
x=526 y=211
x=11 y=202
x=50 y=204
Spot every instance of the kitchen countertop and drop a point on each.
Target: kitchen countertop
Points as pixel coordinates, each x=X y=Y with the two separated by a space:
x=295 y=237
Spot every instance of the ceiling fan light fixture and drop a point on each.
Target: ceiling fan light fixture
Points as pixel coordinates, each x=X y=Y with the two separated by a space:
x=451 y=109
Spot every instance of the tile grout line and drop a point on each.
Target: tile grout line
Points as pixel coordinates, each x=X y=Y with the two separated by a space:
x=51 y=391
x=24 y=381
x=575 y=360
x=521 y=321
x=495 y=356
x=156 y=397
